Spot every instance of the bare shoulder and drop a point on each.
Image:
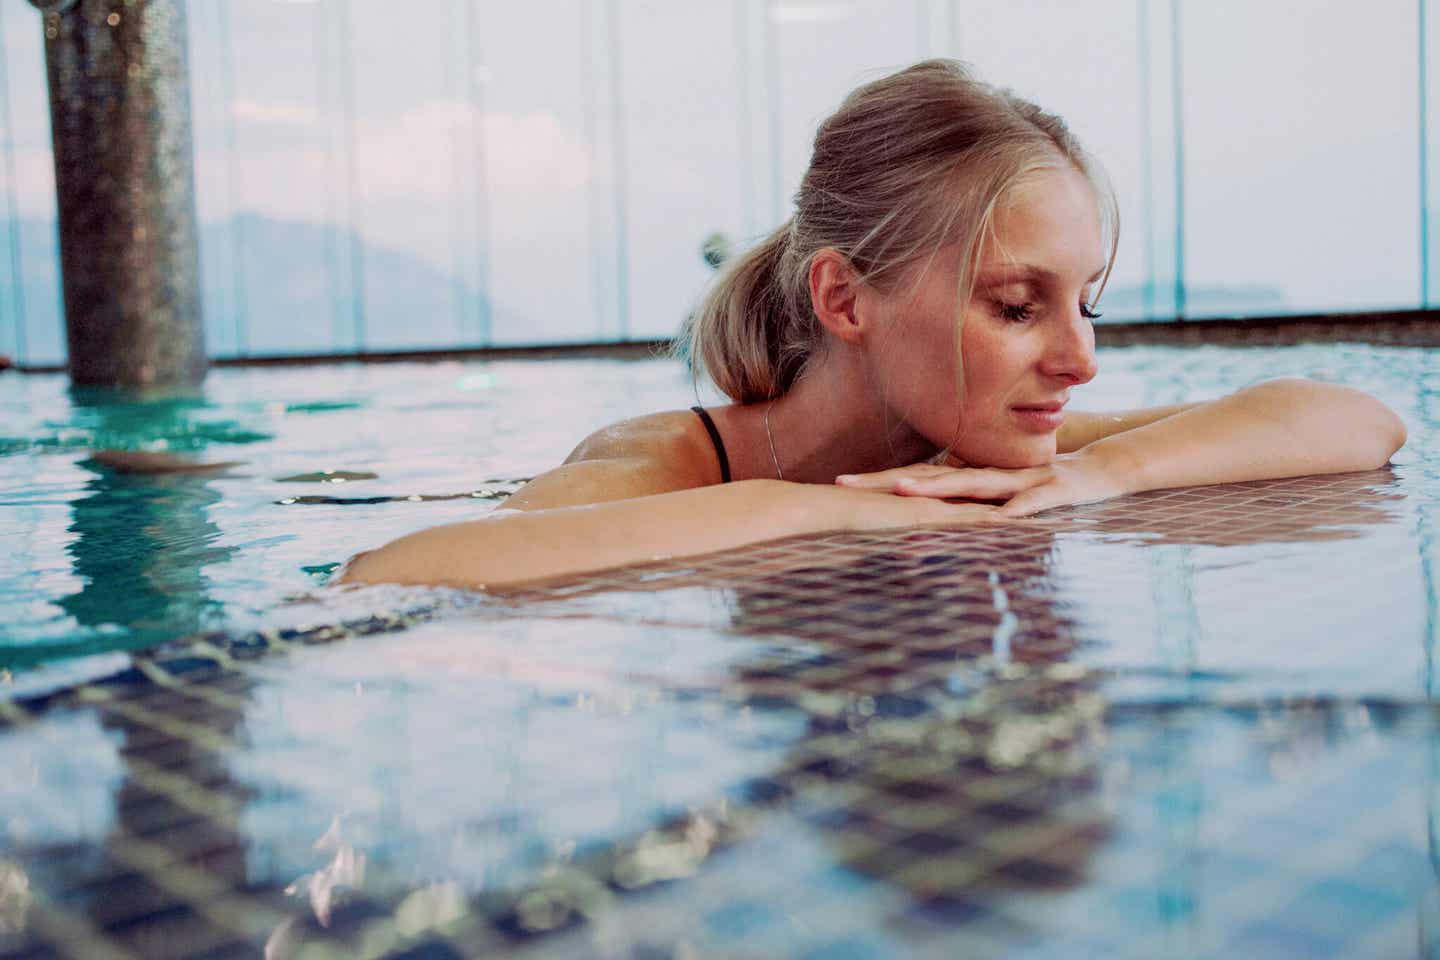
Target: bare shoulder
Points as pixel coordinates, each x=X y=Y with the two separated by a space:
x=657 y=453
x=671 y=437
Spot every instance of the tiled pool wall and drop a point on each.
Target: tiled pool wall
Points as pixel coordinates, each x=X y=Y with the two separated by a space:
x=913 y=743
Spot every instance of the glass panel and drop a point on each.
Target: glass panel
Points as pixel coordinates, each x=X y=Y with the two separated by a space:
x=412 y=115
x=12 y=297
x=685 y=170
x=1082 y=62
x=212 y=132
x=31 y=222
x=1300 y=143
x=540 y=166
x=1429 y=108
x=265 y=177
x=822 y=51
x=502 y=196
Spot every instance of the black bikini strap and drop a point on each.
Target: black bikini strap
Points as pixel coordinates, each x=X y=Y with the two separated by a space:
x=719 y=444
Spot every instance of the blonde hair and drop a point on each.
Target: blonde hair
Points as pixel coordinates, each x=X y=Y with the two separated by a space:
x=909 y=163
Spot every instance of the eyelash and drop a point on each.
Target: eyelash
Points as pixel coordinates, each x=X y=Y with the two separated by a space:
x=1020 y=312
x=1014 y=312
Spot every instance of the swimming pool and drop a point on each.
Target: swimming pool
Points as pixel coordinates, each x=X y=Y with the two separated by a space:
x=1191 y=722
x=108 y=561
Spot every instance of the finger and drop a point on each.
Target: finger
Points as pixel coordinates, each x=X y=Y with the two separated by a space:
x=1030 y=502
x=970 y=510
x=886 y=479
x=979 y=484
x=940 y=513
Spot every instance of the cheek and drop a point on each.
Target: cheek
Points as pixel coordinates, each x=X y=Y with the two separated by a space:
x=987 y=358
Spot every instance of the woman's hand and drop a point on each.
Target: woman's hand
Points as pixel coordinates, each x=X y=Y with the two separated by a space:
x=1082 y=477
x=1280 y=428
x=872 y=507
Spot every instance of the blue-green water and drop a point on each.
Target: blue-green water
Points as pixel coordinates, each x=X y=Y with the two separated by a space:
x=97 y=560
x=1191 y=723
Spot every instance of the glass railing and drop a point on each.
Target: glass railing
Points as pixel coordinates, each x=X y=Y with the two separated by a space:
x=379 y=176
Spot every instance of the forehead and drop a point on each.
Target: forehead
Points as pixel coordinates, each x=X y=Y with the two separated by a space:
x=1050 y=220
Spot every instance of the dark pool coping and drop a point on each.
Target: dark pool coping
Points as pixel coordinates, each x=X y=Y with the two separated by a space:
x=1408 y=328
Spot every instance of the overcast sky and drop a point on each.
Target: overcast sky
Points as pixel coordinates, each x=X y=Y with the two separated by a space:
x=567 y=157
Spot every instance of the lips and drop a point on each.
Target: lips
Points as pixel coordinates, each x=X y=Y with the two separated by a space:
x=1040 y=417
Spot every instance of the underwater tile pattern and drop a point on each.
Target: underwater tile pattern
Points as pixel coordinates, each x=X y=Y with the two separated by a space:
x=1012 y=740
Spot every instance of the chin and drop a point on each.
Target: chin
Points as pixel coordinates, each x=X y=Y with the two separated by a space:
x=1010 y=456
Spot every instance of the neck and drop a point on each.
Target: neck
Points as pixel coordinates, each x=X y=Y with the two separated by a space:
x=830 y=422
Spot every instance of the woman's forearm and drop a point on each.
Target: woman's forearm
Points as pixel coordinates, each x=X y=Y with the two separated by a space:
x=1282 y=428
x=515 y=546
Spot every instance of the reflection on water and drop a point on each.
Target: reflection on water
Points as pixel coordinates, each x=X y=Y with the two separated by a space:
x=141 y=546
x=1186 y=723
x=105 y=419
x=893 y=740
x=142 y=541
x=966 y=723
x=190 y=821
x=415 y=443
x=409 y=460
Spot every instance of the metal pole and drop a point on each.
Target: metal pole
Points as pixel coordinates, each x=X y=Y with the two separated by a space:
x=129 y=251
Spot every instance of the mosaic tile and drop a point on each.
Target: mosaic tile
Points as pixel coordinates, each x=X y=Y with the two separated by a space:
x=913 y=743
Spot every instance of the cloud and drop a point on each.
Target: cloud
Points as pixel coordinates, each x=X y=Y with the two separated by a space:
x=424 y=154
x=415 y=153
x=277 y=113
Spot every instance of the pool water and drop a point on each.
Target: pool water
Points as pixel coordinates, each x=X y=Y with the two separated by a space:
x=1195 y=722
x=102 y=560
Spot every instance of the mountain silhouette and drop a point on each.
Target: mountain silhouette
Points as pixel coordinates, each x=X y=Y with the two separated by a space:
x=291 y=282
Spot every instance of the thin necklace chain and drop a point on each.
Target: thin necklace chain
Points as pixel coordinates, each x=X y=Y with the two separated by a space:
x=771 y=438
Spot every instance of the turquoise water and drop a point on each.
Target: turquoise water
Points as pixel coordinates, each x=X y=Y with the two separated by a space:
x=100 y=561
x=97 y=560
x=1193 y=723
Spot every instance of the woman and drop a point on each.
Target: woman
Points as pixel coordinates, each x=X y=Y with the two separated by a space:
x=912 y=334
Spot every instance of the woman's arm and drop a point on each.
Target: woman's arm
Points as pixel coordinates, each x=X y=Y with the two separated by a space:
x=513 y=546
x=1081 y=429
x=1282 y=428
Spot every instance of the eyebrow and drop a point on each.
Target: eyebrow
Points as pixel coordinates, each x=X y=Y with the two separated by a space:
x=1023 y=272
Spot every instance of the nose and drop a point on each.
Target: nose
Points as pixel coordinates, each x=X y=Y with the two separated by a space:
x=1070 y=351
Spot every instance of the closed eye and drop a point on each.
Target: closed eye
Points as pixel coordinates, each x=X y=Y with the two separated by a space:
x=1089 y=312
x=1017 y=312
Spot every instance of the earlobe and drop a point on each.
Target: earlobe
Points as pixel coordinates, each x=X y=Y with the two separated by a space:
x=835 y=295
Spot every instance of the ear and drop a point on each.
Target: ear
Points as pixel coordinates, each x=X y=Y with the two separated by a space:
x=835 y=291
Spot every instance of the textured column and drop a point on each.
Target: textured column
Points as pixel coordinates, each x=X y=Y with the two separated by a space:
x=120 y=118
